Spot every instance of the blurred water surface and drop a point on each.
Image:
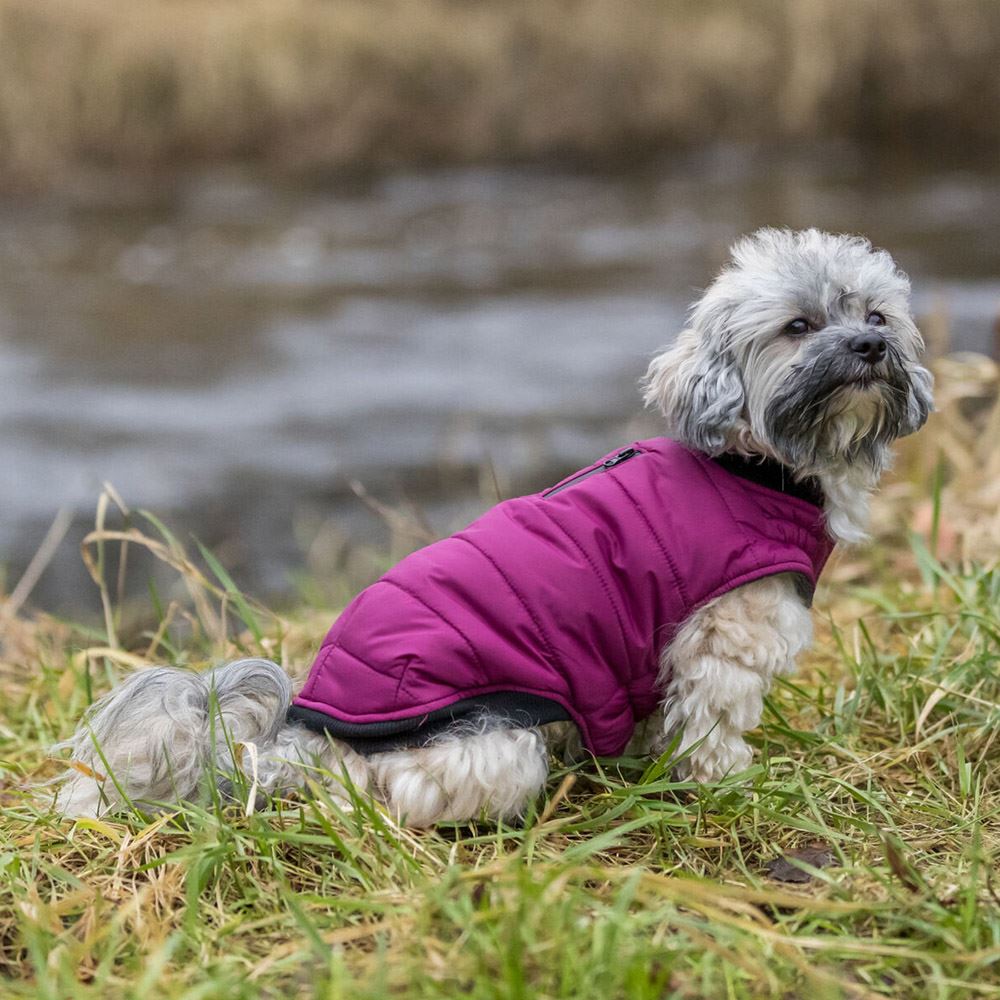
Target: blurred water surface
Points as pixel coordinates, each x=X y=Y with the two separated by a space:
x=231 y=353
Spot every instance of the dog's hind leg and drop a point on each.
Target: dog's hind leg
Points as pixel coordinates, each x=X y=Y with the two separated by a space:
x=491 y=770
x=297 y=755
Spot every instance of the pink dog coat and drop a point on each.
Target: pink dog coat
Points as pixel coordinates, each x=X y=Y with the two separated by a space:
x=557 y=605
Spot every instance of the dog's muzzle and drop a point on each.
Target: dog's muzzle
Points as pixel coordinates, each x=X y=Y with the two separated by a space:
x=801 y=412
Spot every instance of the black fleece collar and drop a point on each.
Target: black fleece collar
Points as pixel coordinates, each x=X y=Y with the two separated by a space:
x=772 y=474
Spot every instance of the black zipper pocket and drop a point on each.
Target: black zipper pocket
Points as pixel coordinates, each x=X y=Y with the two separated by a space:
x=608 y=463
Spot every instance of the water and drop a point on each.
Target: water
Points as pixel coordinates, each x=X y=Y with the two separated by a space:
x=231 y=353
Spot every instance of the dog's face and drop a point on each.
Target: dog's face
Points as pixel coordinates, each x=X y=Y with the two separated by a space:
x=803 y=349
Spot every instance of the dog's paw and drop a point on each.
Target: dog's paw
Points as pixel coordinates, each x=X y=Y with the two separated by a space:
x=718 y=754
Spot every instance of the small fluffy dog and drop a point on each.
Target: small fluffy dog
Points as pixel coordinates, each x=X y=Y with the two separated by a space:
x=669 y=582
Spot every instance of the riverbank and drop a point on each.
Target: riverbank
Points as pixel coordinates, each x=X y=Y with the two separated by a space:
x=305 y=87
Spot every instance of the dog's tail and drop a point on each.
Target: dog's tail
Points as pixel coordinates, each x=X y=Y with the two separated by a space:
x=167 y=735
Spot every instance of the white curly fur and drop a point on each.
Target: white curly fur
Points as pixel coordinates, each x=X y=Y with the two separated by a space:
x=719 y=667
x=734 y=380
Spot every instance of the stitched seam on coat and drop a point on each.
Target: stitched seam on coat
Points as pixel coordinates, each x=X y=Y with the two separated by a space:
x=399 y=685
x=354 y=656
x=804 y=540
x=807 y=542
x=678 y=579
x=325 y=650
x=524 y=604
x=753 y=543
x=314 y=671
x=472 y=649
x=323 y=659
x=759 y=573
x=605 y=586
x=702 y=468
x=381 y=671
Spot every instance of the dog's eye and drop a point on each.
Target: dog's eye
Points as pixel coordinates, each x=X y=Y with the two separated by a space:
x=797 y=327
x=875 y=319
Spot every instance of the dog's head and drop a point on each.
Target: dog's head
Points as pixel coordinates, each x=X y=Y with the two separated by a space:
x=803 y=349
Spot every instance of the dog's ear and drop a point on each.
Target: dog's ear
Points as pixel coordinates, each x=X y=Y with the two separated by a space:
x=919 y=400
x=919 y=397
x=697 y=387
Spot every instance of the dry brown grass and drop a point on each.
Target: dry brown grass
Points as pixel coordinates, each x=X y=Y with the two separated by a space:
x=957 y=453
x=314 y=85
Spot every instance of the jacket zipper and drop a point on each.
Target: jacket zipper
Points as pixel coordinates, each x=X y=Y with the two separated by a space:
x=608 y=463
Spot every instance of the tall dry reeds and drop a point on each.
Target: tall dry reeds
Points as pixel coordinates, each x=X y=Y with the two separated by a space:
x=312 y=85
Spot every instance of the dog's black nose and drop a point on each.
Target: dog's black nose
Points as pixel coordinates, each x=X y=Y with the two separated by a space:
x=869 y=345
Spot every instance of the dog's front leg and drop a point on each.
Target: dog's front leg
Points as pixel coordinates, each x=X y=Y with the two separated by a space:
x=720 y=665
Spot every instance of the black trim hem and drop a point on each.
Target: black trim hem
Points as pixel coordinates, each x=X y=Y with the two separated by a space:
x=516 y=708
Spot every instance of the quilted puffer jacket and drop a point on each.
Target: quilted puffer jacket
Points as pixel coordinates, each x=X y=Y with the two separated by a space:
x=557 y=605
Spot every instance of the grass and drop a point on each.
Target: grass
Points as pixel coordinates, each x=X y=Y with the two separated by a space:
x=310 y=86
x=623 y=882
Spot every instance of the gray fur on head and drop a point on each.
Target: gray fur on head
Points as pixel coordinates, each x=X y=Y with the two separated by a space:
x=736 y=380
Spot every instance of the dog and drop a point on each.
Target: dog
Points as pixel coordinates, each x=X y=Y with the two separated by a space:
x=660 y=590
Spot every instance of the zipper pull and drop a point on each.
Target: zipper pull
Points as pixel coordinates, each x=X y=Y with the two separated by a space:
x=622 y=456
x=608 y=463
